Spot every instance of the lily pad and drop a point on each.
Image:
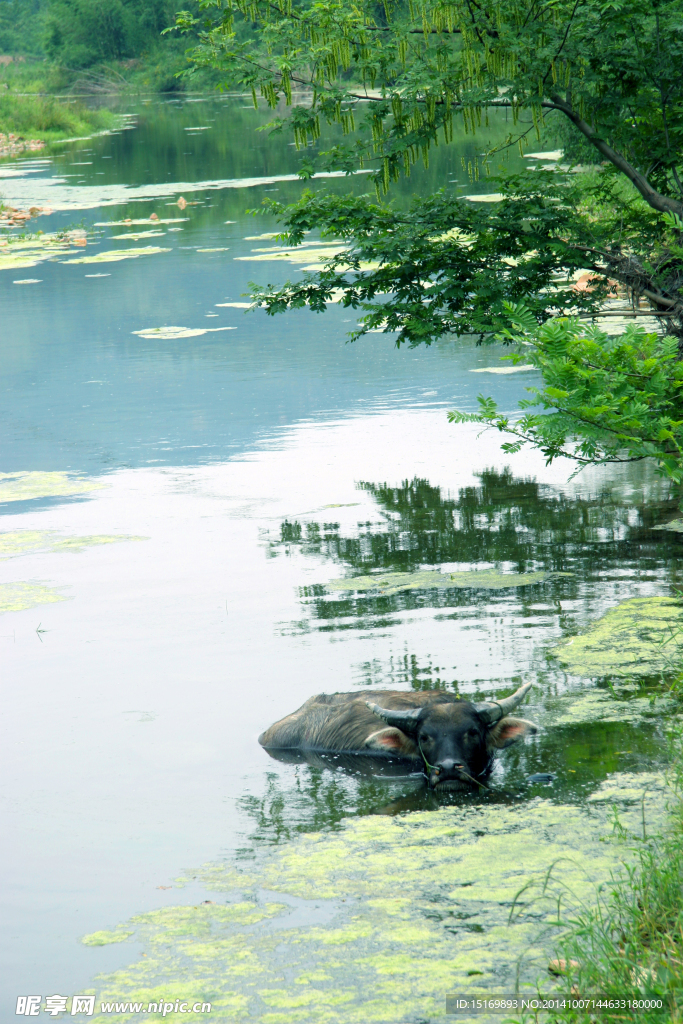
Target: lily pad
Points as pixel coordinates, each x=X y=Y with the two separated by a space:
x=379 y=921
x=550 y=154
x=25 y=542
x=139 y=234
x=639 y=637
x=113 y=255
x=524 y=368
x=16 y=597
x=178 y=332
x=140 y=220
x=297 y=255
x=488 y=579
x=22 y=486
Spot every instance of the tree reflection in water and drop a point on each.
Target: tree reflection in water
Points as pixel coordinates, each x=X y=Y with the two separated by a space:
x=505 y=522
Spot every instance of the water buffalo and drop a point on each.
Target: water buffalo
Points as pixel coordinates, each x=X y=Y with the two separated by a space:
x=452 y=739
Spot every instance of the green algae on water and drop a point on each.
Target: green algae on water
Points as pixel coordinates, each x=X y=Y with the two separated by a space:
x=17 y=597
x=629 y=788
x=26 y=485
x=594 y=705
x=418 y=906
x=487 y=579
x=105 y=938
x=638 y=637
x=25 y=542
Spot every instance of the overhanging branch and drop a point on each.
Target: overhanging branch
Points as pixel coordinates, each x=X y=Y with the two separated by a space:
x=663 y=204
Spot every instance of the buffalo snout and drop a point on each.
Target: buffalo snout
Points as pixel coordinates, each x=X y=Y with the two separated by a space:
x=449 y=773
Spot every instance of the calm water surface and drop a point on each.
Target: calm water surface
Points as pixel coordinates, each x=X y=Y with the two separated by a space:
x=252 y=466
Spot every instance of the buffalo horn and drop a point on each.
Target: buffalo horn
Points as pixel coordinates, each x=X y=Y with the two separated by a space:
x=493 y=711
x=406 y=719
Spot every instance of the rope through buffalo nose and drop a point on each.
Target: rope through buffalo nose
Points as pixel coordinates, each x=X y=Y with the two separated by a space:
x=437 y=769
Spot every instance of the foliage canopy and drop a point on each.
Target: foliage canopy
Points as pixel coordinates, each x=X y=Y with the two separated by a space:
x=621 y=396
x=20 y=26
x=77 y=34
x=399 y=78
x=602 y=75
x=80 y=33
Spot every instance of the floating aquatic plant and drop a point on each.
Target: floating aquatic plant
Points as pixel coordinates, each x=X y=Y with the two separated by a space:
x=139 y=234
x=302 y=255
x=105 y=938
x=64 y=196
x=504 y=369
x=632 y=639
x=675 y=526
x=401 y=911
x=488 y=579
x=598 y=705
x=25 y=542
x=17 y=597
x=140 y=220
x=36 y=484
x=113 y=255
x=18 y=253
x=178 y=332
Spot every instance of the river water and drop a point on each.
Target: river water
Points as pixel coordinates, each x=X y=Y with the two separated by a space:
x=177 y=510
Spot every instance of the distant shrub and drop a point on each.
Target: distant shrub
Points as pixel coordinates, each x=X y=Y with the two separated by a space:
x=21 y=26
x=81 y=33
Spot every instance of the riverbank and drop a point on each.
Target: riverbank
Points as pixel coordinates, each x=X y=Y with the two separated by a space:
x=156 y=72
x=27 y=123
x=629 y=945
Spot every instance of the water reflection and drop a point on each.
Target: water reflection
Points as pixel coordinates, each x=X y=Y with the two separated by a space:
x=323 y=790
x=605 y=545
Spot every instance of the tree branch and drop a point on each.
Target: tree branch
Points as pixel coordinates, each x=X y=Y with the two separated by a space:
x=663 y=204
x=559 y=452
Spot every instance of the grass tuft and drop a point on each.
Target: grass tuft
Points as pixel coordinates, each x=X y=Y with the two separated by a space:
x=629 y=944
x=49 y=119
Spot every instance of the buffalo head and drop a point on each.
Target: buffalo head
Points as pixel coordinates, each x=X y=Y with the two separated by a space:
x=457 y=739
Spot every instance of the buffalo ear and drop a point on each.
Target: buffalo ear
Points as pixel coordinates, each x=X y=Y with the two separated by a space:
x=391 y=741
x=508 y=731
